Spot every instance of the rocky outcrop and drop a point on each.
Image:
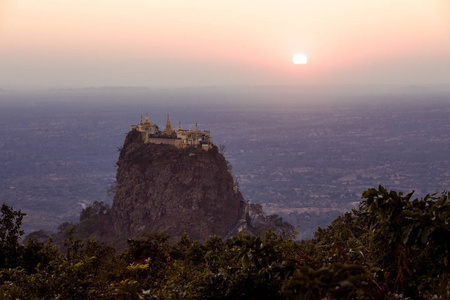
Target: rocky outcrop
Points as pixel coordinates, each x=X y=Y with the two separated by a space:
x=176 y=191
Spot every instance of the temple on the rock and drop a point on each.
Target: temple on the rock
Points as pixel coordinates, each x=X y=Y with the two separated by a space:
x=179 y=138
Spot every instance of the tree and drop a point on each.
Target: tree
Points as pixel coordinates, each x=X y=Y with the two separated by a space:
x=391 y=245
x=10 y=233
x=411 y=238
x=97 y=209
x=222 y=149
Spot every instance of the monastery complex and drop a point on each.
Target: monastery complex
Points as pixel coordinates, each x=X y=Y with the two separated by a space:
x=180 y=138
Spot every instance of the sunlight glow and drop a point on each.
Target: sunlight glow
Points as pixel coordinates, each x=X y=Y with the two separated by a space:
x=299 y=59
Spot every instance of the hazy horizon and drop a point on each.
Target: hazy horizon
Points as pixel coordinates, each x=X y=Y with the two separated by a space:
x=240 y=97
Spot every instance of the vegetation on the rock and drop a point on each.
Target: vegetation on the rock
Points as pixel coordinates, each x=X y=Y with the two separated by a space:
x=391 y=247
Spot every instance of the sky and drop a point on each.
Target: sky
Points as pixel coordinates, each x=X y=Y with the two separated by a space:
x=173 y=43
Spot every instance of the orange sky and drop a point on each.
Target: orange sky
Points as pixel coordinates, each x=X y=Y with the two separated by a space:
x=45 y=44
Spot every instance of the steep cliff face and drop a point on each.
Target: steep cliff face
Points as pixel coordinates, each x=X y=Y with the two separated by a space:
x=161 y=187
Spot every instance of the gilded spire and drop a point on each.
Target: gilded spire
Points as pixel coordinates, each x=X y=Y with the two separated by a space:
x=168 y=129
x=147 y=121
x=142 y=122
x=179 y=126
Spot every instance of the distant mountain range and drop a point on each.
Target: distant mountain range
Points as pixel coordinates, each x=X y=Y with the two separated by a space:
x=102 y=89
x=321 y=89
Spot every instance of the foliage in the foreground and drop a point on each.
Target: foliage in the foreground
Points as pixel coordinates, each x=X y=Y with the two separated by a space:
x=390 y=247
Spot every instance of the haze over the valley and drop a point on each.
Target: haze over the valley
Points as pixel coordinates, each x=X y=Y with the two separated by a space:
x=308 y=157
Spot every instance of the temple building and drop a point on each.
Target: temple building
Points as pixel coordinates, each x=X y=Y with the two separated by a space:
x=146 y=126
x=179 y=138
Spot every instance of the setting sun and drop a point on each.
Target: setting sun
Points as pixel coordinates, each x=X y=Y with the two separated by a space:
x=299 y=59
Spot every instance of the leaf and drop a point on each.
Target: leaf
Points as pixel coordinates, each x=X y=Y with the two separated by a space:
x=426 y=233
x=345 y=283
x=245 y=261
x=406 y=233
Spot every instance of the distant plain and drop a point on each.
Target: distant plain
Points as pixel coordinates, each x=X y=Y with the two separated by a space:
x=306 y=155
